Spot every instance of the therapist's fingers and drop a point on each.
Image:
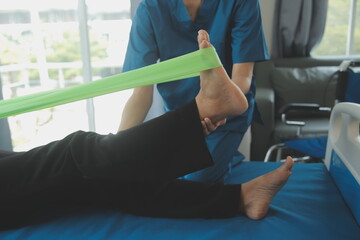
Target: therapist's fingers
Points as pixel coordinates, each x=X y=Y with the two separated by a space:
x=205 y=129
x=205 y=34
x=221 y=122
x=202 y=34
x=209 y=126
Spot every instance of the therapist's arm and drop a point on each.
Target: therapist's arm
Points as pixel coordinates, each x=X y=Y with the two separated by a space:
x=137 y=107
x=242 y=75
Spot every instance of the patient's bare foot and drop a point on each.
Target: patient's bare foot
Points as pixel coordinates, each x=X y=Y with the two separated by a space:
x=219 y=97
x=256 y=194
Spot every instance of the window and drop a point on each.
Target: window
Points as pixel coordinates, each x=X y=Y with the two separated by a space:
x=342 y=31
x=41 y=49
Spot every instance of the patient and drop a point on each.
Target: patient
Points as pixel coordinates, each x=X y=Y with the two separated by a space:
x=136 y=170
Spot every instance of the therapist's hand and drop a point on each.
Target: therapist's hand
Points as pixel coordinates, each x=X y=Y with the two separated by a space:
x=209 y=127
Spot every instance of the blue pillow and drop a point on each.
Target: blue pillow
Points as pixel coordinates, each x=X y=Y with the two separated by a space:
x=352 y=93
x=314 y=147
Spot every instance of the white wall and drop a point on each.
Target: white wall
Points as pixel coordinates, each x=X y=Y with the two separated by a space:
x=267 y=14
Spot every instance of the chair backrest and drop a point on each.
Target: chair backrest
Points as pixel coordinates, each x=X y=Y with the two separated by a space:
x=301 y=80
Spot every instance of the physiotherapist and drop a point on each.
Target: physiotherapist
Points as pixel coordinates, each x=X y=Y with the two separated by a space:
x=164 y=29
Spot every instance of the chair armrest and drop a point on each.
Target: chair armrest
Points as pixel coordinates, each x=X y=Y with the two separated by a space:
x=301 y=108
x=265 y=99
x=261 y=134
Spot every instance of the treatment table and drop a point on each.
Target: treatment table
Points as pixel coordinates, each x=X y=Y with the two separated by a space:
x=310 y=206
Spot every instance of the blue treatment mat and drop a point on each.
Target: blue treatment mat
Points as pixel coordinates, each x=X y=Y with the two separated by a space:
x=308 y=207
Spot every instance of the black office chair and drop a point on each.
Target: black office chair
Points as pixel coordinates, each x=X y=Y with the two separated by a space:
x=312 y=147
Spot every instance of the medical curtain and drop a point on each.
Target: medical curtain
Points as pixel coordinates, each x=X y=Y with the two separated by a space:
x=5 y=137
x=298 y=27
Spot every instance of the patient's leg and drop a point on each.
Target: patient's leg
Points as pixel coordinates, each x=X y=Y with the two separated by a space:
x=159 y=150
x=257 y=194
x=175 y=199
x=219 y=97
x=184 y=199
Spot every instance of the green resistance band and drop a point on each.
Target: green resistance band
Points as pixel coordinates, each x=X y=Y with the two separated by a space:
x=185 y=66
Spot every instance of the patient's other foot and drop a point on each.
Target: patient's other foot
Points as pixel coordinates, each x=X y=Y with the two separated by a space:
x=257 y=194
x=219 y=97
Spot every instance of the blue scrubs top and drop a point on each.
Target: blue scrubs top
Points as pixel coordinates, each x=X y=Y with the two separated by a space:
x=162 y=29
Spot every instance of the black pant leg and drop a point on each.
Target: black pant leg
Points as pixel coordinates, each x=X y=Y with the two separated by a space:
x=175 y=199
x=27 y=173
x=4 y=153
x=161 y=149
x=28 y=180
x=157 y=151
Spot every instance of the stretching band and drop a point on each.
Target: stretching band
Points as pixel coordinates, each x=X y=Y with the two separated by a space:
x=185 y=66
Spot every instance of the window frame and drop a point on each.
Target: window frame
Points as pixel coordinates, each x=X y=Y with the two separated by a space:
x=88 y=68
x=351 y=28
